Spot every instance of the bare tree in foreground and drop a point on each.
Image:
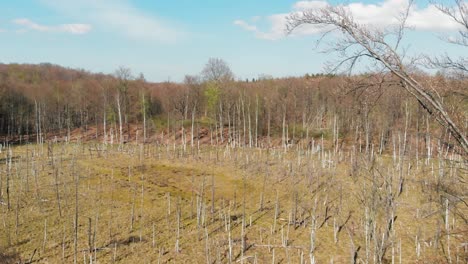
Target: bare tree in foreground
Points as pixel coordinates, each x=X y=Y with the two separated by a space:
x=365 y=42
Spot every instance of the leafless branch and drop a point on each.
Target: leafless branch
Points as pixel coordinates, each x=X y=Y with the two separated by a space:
x=375 y=45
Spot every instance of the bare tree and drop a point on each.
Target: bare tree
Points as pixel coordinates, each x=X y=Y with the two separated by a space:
x=124 y=75
x=144 y=102
x=195 y=96
x=217 y=70
x=365 y=42
x=459 y=14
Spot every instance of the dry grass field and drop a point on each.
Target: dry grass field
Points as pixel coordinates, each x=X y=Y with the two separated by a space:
x=96 y=203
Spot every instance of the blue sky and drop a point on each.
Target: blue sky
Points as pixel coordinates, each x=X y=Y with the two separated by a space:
x=165 y=40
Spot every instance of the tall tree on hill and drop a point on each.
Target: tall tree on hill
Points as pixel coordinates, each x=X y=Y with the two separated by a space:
x=216 y=74
x=217 y=70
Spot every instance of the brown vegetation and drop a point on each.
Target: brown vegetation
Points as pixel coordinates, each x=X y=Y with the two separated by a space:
x=47 y=102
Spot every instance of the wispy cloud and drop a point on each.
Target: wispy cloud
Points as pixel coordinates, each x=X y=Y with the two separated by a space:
x=383 y=14
x=77 y=29
x=118 y=16
x=277 y=24
x=245 y=25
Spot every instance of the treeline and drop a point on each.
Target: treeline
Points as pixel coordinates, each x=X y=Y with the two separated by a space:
x=44 y=100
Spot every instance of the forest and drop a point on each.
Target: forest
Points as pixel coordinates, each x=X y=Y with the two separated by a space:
x=48 y=102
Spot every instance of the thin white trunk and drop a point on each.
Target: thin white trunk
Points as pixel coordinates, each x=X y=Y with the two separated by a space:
x=120 y=120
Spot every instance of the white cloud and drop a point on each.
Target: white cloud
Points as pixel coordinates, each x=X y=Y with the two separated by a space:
x=76 y=28
x=64 y=28
x=118 y=16
x=255 y=18
x=306 y=5
x=431 y=19
x=243 y=24
x=381 y=15
x=277 y=23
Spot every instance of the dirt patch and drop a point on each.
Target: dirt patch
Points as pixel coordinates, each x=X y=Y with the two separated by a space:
x=9 y=258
